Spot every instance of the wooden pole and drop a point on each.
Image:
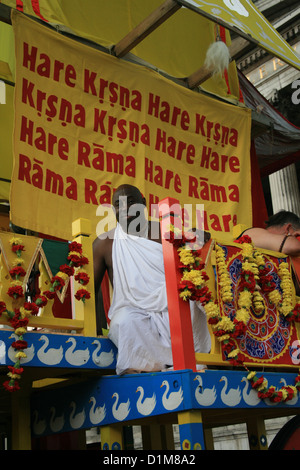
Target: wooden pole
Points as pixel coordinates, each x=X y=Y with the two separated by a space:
x=179 y=310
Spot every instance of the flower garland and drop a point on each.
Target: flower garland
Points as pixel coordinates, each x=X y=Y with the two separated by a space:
x=19 y=318
x=255 y=277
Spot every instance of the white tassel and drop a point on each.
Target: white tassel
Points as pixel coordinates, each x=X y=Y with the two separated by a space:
x=217 y=57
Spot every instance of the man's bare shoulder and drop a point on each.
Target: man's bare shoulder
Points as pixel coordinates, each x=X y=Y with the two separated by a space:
x=256 y=230
x=104 y=240
x=263 y=238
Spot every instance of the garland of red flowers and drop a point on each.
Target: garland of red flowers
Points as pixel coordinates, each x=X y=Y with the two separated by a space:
x=19 y=318
x=254 y=276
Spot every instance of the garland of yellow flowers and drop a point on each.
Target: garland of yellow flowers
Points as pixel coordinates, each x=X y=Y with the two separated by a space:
x=19 y=318
x=193 y=286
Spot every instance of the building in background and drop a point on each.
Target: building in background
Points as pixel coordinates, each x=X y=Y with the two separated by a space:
x=278 y=83
x=274 y=80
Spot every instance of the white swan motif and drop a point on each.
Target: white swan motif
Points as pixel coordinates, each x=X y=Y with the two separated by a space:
x=249 y=396
x=174 y=399
x=39 y=426
x=206 y=396
x=28 y=351
x=233 y=396
x=56 y=422
x=97 y=414
x=121 y=411
x=145 y=407
x=52 y=356
x=76 y=420
x=294 y=400
x=104 y=359
x=76 y=358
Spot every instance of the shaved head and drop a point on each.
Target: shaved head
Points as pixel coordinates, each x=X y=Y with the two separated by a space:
x=129 y=205
x=128 y=190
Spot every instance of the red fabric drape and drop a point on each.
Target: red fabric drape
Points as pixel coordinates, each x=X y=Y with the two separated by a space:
x=105 y=295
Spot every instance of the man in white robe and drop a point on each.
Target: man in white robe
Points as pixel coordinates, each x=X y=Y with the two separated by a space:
x=139 y=321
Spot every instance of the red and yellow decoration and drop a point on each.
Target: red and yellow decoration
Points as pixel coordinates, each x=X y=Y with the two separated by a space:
x=19 y=318
x=231 y=315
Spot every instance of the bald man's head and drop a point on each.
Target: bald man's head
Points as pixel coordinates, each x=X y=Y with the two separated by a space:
x=129 y=205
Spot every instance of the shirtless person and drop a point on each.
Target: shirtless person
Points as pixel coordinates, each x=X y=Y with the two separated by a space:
x=125 y=196
x=139 y=322
x=281 y=234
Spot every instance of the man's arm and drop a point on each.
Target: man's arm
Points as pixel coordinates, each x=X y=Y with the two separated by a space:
x=99 y=250
x=100 y=267
x=270 y=241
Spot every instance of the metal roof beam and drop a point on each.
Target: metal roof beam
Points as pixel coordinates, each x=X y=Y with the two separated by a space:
x=5 y=13
x=147 y=26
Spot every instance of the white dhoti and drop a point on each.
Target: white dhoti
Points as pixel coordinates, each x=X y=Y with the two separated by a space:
x=139 y=321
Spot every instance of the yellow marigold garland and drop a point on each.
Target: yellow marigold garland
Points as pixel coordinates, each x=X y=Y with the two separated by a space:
x=224 y=278
x=286 y=306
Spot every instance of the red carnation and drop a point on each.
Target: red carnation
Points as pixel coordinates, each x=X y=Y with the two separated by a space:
x=267 y=283
x=74 y=246
x=57 y=282
x=32 y=307
x=182 y=266
x=83 y=278
x=15 y=292
x=243 y=239
x=266 y=394
x=264 y=271
x=176 y=240
x=220 y=332
x=11 y=385
x=258 y=382
x=18 y=322
x=20 y=344
x=41 y=300
x=2 y=307
x=227 y=347
x=15 y=370
x=84 y=260
x=186 y=285
x=199 y=266
x=248 y=281
x=17 y=249
x=74 y=259
x=213 y=320
x=49 y=294
x=238 y=360
x=296 y=313
x=239 y=328
x=277 y=397
x=82 y=294
x=17 y=272
x=65 y=268
x=204 y=275
x=203 y=295
x=290 y=393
